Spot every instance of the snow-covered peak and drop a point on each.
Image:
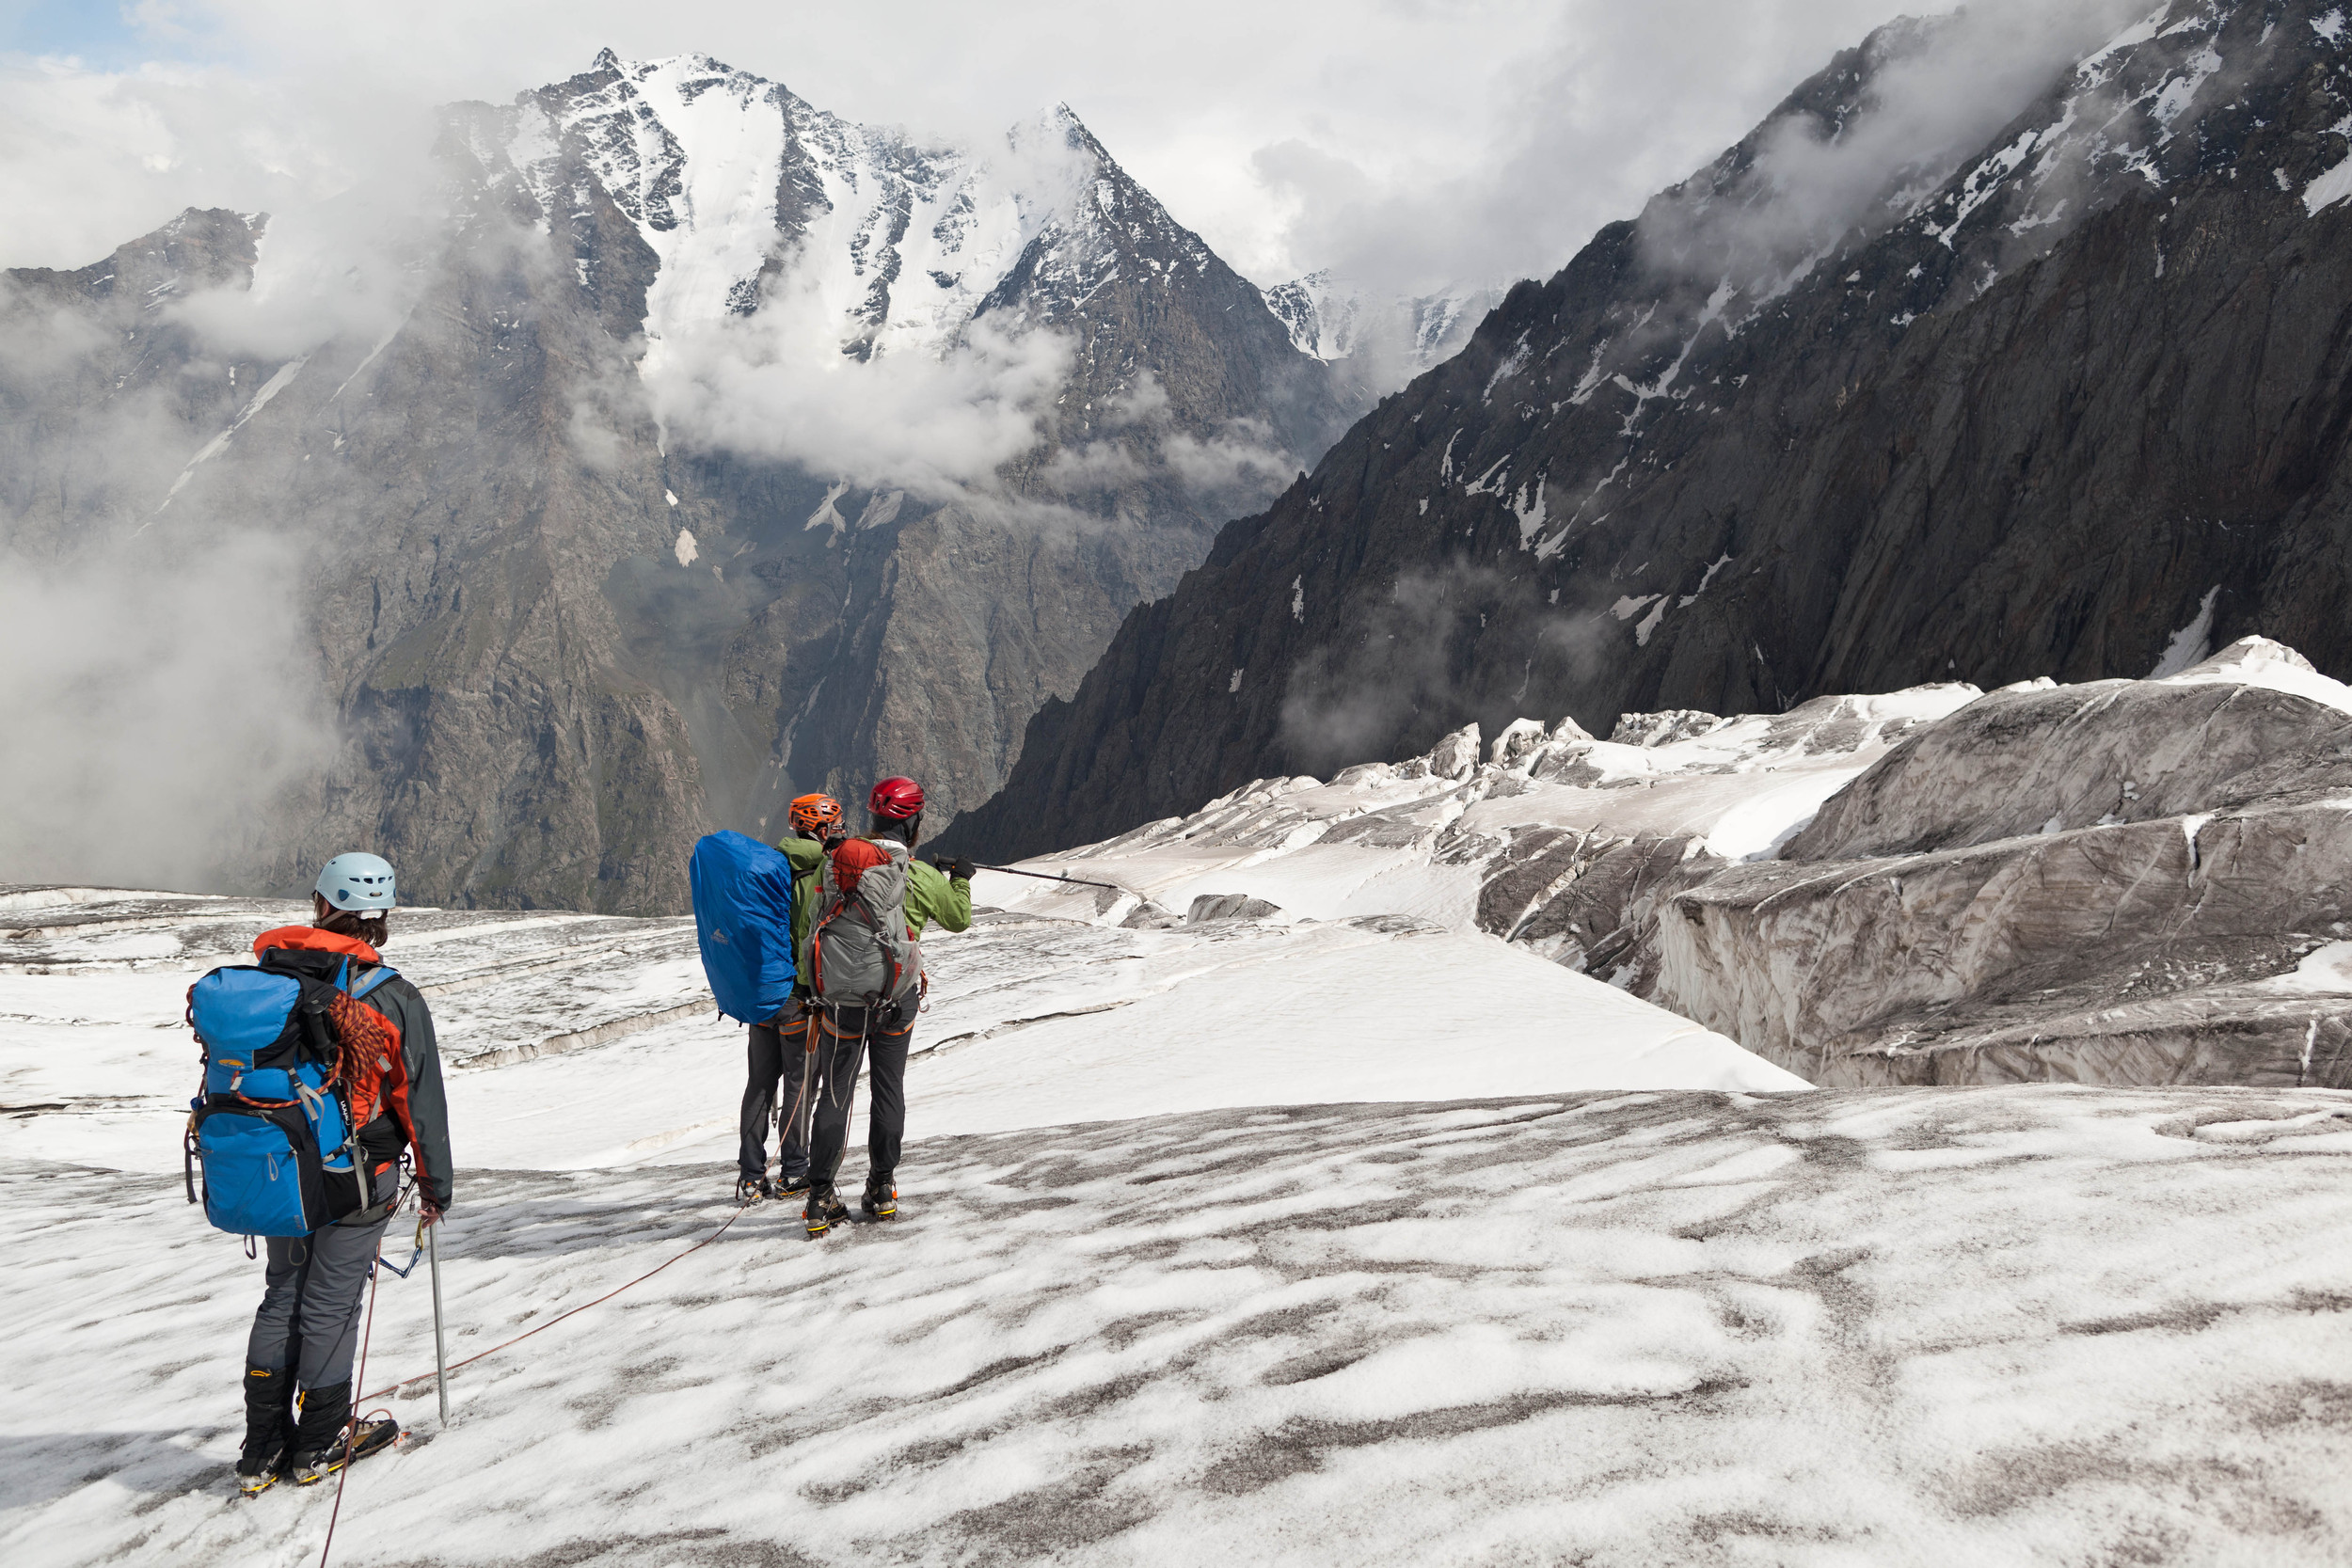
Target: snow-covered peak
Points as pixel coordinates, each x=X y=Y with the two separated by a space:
x=736 y=183
x=1334 y=319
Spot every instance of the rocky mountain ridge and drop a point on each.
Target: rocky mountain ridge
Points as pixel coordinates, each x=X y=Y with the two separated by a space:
x=587 y=572
x=2068 y=401
x=2113 y=882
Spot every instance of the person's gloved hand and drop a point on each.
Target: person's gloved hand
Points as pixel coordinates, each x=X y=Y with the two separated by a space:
x=955 y=866
x=428 y=1213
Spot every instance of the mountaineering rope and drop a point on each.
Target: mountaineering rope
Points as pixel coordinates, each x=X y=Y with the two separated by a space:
x=351 y=1433
x=582 y=1307
x=361 y=1378
x=808 y=1060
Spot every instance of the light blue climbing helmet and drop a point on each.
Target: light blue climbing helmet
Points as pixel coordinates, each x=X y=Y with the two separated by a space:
x=357 y=882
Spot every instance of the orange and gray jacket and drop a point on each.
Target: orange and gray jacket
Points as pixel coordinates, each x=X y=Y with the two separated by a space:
x=403 y=1007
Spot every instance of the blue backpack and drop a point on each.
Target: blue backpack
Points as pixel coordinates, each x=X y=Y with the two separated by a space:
x=743 y=919
x=278 y=1152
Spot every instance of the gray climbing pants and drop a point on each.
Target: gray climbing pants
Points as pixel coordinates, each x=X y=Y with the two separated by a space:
x=309 y=1314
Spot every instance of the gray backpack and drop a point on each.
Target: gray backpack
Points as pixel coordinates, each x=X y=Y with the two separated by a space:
x=860 y=952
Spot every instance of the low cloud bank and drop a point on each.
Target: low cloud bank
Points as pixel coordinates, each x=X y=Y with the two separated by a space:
x=778 y=384
x=1941 y=90
x=154 y=709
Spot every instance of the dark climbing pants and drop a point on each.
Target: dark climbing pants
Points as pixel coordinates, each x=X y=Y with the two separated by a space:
x=842 y=1036
x=309 y=1314
x=779 y=1050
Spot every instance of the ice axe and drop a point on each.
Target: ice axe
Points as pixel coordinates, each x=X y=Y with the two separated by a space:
x=440 y=1345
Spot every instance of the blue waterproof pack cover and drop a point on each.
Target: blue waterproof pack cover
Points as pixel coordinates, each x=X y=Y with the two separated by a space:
x=743 y=919
x=269 y=1132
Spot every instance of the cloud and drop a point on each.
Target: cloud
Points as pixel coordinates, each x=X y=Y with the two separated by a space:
x=345 y=267
x=162 y=689
x=1400 y=143
x=778 y=383
x=1234 y=468
x=1241 y=458
x=1942 y=92
x=154 y=708
x=1592 y=107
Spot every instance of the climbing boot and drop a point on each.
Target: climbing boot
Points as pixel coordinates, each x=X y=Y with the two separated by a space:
x=825 y=1209
x=365 y=1437
x=750 y=1189
x=881 y=1201
x=325 y=1414
x=268 y=1393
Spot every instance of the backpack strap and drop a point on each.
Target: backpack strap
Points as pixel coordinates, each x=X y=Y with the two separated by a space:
x=373 y=978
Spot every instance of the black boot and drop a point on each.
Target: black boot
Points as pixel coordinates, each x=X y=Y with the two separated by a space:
x=324 y=1411
x=881 y=1201
x=750 y=1189
x=322 y=1447
x=825 y=1209
x=268 y=1419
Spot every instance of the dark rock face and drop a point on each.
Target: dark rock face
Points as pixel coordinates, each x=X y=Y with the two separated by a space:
x=562 y=643
x=2077 y=411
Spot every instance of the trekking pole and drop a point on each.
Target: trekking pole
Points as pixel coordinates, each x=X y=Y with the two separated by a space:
x=440 y=1344
x=1049 y=877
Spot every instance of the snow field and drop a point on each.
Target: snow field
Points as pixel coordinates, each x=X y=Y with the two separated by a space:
x=2021 y=1325
x=583 y=1042
x=1133 y=1023
x=1348 y=1234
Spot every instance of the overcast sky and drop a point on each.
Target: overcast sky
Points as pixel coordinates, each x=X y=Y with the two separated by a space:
x=1405 y=142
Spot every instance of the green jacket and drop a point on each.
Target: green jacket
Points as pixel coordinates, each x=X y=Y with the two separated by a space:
x=808 y=876
x=931 y=895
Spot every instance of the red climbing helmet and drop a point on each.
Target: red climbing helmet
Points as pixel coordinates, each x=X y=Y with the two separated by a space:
x=896 y=798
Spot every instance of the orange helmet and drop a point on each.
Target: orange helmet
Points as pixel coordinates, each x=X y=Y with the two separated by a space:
x=817 y=817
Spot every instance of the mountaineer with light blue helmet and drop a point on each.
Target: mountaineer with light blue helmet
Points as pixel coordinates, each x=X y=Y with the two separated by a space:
x=308 y=1327
x=357 y=881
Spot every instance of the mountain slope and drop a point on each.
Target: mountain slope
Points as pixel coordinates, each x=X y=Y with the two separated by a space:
x=2067 y=401
x=723 y=449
